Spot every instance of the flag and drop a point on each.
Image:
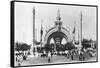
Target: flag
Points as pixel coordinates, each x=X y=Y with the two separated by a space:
x=74 y=28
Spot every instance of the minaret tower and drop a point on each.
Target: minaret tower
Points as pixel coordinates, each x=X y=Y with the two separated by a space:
x=33 y=39
x=74 y=33
x=81 y=26
x=33 y=26
x=80 y=40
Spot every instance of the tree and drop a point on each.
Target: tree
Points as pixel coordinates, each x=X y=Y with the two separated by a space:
x=18 y=46
x=86 y=43
x=21 y=46
x=47 y=48
x=60 y=47
x=69 y=46
x=25 y=47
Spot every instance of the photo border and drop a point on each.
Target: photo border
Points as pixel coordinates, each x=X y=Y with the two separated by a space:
x=12 y=64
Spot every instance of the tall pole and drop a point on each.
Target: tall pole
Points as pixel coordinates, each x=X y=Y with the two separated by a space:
x=74 y=33
x=80 y=40
x=41 y=32
x=34 y=29
x=81 y=27
x=33 y=26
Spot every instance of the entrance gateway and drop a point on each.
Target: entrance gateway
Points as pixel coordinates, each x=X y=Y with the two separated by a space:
x=57 y=33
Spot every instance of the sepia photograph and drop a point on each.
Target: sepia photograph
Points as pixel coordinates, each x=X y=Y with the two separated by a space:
x=51 y=33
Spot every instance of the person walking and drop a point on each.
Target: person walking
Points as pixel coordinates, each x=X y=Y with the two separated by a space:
x=49 y=55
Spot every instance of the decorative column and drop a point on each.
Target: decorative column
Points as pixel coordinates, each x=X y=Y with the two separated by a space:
x=80 y=39
x=33 y=26
x=74 y=33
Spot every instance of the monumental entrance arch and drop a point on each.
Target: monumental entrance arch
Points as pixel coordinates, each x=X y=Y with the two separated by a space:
x=57 y=33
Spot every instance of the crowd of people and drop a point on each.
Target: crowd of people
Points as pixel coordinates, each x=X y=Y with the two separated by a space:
x=69 y=54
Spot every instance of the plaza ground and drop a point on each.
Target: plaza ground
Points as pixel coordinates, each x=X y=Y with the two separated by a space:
x=54 y=60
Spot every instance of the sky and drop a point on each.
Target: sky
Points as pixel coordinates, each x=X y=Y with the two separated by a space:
x=47 y=13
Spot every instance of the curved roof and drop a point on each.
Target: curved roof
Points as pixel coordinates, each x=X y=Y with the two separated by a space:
x=55 y=27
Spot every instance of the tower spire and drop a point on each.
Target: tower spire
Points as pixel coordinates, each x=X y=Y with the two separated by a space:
x=58 y=15
x=58 y=21
x=41 y=32
x=74 y=32
x=81 y=26
x=80 y=37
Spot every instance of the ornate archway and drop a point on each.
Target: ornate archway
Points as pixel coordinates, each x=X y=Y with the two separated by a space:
x=57 y=33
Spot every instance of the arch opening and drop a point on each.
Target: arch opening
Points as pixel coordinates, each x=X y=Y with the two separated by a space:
x=57 y=38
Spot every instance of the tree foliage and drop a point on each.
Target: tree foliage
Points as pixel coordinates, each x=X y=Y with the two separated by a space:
x=21 y=46
x=69 y=46
x=86 y=43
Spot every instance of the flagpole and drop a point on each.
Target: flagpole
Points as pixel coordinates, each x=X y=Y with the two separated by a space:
x=81 y=27
x=74 y=32
x=80 y=39
x=33 y=25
